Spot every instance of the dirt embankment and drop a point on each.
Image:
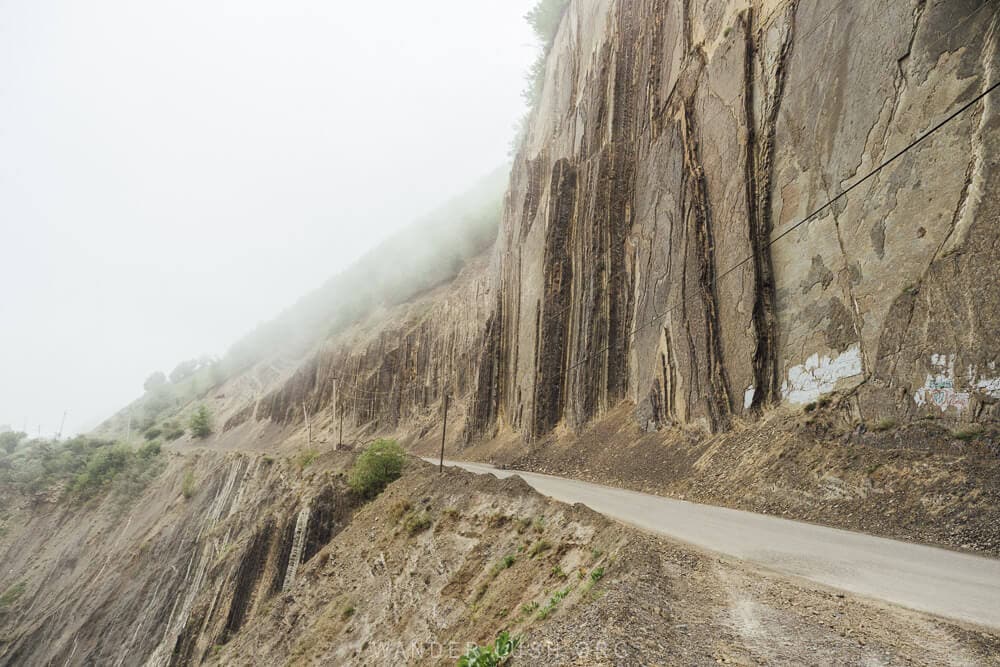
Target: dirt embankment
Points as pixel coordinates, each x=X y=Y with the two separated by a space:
x=441 y=560
x=921 y=481
x=269 y=561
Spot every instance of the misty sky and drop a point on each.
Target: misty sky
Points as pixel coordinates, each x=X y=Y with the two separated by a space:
x=172 y=173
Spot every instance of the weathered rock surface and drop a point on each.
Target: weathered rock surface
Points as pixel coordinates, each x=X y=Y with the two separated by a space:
x=675 y=141
x=661 y=242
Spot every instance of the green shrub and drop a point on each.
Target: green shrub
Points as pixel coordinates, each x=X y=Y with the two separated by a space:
x=201 y=422
x=173 y=433
x=597 y=575
x=969 y=433
x=152 y=433
x=491 y=655
x=379 y=465
x=188 y=487
x=417 y=522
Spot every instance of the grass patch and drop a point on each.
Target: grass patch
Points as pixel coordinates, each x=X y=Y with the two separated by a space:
x=11 y=595
x=399 y=509
x=348 y=611
x=540 y=547
x=306 y=458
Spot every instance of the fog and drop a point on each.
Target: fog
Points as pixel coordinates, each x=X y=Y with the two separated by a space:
x=174 y=173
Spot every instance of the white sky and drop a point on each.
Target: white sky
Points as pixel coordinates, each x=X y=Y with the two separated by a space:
x=172 y=173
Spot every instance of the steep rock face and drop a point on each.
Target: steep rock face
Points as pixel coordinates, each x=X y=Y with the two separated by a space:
x=393 y=371
x=658 y=244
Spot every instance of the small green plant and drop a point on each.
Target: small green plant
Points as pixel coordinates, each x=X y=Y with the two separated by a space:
x=968 y=433
x=201 y=422
x=348 y=612
x=595 y=554
x=523 y=525
x=558 y=572
x=529 y=608
x=539 y=547
x=306 y=458
x=884 y=425
x=379 y=465
x=554 y=601
x=507 y=562
x=491 y=655
x=152 y=433
x=539 y=524
x=597 y=575
x=11 y=595
x=188 y=486
x=417 y=522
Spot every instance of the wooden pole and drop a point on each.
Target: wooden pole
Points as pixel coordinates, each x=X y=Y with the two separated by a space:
x=444 y=430
x=336 y=445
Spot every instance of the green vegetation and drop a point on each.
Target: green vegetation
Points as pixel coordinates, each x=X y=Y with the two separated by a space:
x=884 y=425
x=152 y=433
x=188 y=487
x=379 y=465
x=968 y=433
x=348 y=612
x=497 y=653
x=553 y=602
x=10 y=440
x=597 y=575
x=539 y=547
x=544 y=20
x=529 y=608
x=508 y=561
x=558 y=572
x=306 y=457
x=81 y=468
x=417 y=522
x=11 y=595
x=201 y=422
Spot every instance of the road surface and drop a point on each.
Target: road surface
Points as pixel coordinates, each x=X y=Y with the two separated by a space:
x=946 y=583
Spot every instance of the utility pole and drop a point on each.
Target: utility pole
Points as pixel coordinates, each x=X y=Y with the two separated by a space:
x=444 y=430
x=62 y=424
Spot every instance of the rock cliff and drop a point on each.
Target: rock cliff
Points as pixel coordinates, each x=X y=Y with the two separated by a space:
x=659 y=243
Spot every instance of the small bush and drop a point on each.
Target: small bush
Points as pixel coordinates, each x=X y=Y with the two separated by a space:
x=379 y=465
x=529 y=608
x=152 y=433
x=188 y=487
x=558 y=572
x=201 y=422
x=417 y=523
x=347 y=613
x=597 y=575
x=491 y=655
